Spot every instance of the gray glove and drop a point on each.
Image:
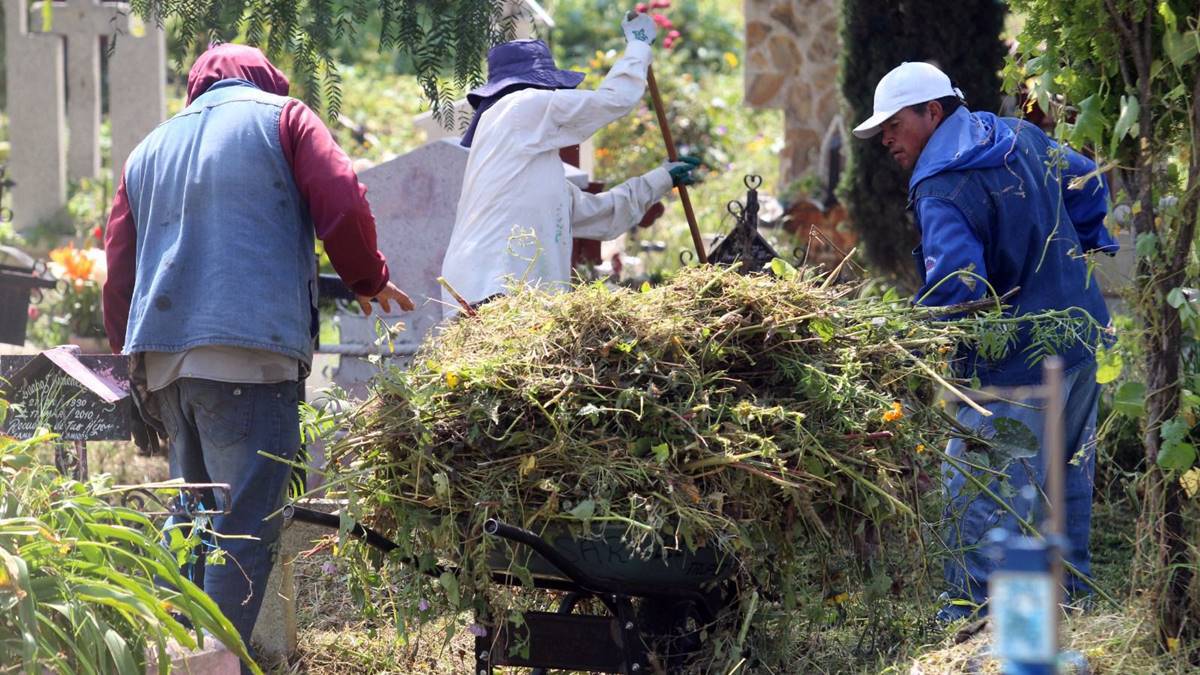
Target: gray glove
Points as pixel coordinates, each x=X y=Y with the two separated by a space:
x=639 y=27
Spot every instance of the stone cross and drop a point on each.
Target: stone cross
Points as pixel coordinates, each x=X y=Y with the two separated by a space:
x=136 y=71
x=36 y=124
x=37 y=89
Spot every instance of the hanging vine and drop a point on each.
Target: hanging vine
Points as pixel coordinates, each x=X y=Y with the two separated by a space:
x=447 y=40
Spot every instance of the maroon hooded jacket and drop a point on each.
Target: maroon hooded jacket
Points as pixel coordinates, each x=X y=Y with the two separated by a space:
x=337 y=202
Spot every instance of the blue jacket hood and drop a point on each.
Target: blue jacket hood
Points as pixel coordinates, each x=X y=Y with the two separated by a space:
x=964 y=140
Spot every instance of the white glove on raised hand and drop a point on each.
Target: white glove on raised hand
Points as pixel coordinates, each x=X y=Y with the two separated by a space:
x=640 y=28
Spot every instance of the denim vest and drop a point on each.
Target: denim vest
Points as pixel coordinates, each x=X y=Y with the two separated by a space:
x=1017 y=211
x=225 y=247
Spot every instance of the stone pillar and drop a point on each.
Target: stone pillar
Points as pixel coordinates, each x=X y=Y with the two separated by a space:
x=36 y=123
x=137 y=89
x=791 y=63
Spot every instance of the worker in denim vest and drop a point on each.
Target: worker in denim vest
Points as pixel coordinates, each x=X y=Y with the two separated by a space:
x=212 y=288
x=1000 y=206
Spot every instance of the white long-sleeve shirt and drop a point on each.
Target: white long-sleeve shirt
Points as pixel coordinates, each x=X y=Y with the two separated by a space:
x=517 y=213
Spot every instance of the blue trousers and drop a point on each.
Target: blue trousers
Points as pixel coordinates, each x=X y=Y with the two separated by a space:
x=216 y=431
x=970 y=513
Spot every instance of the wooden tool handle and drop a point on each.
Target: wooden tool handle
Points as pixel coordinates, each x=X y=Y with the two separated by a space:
x=673 y=156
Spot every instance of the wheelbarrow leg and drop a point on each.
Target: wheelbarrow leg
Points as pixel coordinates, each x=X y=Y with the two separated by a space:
x=565 y=607
x=483 y=654
x=636 y=661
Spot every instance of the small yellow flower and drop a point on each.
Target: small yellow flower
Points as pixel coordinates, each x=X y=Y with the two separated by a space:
x=451 y=379
x=920 y=448
x=731 y=59
x=1191 y=482
x=838 y=599
x=1172 y=644
x=895 y=413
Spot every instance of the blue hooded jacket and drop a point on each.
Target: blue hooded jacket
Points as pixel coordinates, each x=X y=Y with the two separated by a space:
x=991 y=199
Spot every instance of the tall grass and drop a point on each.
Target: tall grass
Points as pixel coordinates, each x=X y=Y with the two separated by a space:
x=87 y=586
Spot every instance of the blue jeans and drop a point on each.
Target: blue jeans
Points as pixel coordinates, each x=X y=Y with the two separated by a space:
x=215 y=432
x=970 y=513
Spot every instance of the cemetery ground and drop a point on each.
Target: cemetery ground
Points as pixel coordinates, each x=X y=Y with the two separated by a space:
x=336 y=636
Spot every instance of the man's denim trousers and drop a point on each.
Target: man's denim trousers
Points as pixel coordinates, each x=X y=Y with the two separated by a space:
x=216 y=432
x=971 y=514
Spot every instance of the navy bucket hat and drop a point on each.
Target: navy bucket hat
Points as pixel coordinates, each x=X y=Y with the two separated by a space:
x=526 y=62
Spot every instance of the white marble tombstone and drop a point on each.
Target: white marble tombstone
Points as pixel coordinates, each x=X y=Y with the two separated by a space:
x=414 y=198
x=36 y=122
x=137 y=88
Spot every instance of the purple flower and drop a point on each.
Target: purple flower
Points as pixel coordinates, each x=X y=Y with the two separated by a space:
x=477 y=630
x=328 y=567
x=722 y=129
x=423 y=605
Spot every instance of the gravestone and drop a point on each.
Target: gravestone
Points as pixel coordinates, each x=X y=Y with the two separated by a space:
x=137 y=89
x=40 y=84
x=414 y=198
x=81 y=398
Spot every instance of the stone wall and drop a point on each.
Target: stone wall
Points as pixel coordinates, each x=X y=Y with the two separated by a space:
x=792 y=50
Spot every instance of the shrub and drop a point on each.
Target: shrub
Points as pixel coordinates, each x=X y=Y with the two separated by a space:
x=963 y=39
x=77 y=576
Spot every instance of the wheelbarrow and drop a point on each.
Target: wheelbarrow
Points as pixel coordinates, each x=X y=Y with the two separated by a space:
x=654 y=609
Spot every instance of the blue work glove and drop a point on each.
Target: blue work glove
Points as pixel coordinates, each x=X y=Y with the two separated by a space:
x=639 y=27
x=681 y=171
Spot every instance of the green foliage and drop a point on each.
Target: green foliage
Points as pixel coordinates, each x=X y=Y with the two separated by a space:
x=446 y=40
x=378 y=107
x=769 y=419
x=960 y=37
x=708 y=29
x=77 y=576
x=1073 y=52
x=1124 y=77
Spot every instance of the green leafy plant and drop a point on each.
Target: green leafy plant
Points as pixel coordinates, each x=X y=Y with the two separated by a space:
x=78 y=591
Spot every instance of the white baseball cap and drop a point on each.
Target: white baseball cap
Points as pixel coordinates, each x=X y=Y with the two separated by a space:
x=907 y=84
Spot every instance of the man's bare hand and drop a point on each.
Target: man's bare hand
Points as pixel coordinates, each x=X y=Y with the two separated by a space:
x=385 y=298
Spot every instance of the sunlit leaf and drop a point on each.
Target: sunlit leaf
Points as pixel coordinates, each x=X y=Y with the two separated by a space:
x=584 y=509
x=1179 y=47
x=1109 y=365
x=1126 y=121
x=1089 y=122
x=823 y=328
